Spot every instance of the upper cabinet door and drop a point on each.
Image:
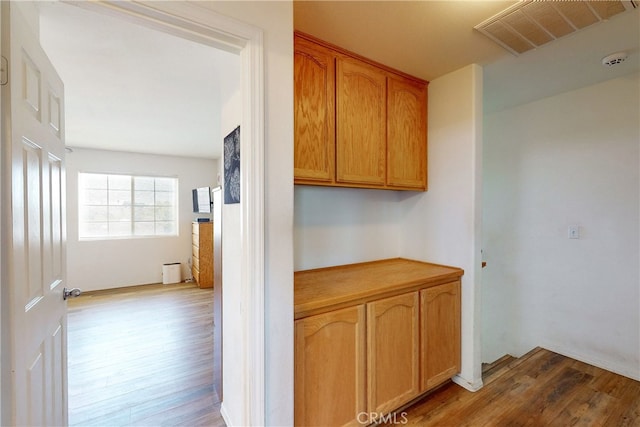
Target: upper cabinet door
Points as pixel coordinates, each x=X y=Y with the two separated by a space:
x=361 y=123
x=314 y=112
x=406 y=134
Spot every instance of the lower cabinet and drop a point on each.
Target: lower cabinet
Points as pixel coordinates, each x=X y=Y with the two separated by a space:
x=440 y=334
x=367 y=360
x=330 y=368
x=393 y=346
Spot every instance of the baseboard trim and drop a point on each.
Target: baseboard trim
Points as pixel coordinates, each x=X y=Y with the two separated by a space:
x=625 y=371
x=134 y=288
x=225 y=415
x=471 y=386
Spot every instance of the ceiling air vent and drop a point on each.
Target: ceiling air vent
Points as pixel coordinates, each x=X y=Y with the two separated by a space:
x=531 y=23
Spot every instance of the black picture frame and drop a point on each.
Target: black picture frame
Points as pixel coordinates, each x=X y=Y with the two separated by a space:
x=232 y=167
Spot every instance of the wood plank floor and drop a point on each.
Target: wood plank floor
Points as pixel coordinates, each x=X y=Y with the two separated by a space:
x=142 y=356
x=539 y=389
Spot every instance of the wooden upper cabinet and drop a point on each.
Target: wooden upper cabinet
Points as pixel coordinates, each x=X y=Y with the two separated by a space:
x=440 y=330
x=357 y=123
x=314 y=112
x=406 y=134
x=361 y=123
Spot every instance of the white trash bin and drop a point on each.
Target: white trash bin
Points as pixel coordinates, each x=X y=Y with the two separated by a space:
x=171 y=273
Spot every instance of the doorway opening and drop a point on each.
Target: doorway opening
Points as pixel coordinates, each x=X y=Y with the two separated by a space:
x=195 y=23
x=107 y=62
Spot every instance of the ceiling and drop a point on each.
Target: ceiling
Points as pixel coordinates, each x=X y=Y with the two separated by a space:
x=431 y=38
x=426 y=39
x=130 y=88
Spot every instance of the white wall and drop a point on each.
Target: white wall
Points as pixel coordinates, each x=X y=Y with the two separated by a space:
x=234 y=381
x=443 y=225
x=275 y=18
x=105 y=264
x=571 y=159
x=334 y=226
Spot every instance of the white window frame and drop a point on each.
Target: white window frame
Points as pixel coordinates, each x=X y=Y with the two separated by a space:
x=83 y=236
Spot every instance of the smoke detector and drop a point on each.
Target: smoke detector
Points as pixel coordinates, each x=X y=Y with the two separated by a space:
x=614 y=59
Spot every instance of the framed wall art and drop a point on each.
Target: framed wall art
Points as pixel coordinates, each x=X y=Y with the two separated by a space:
x=232 y=167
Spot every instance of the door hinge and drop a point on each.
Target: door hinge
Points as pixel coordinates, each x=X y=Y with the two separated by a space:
x=4 y=71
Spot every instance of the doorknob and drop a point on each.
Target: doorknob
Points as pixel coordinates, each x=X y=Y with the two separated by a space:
x=71 y=293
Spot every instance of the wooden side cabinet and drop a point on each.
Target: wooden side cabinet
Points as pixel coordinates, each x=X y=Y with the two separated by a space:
x=202 y=253
x=440 y=333
x=330 y=367
x=393 y=346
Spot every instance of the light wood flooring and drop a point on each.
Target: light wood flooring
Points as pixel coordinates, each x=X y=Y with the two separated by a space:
x=539 y=389
x=142 y=356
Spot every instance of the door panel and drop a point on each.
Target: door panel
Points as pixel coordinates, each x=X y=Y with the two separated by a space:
x=393 y=351
x=314 y=112
x=35 y=375
x=361 y=126
x=33 y=105
x=330 y=368
x=56 y=223
x=57 y=387
x=406 y=134
x=55 y=118
x=31 y=86
x=440 y=329
x=32 y=163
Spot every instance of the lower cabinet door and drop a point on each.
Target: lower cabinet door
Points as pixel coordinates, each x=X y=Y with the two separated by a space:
x=393 y=352
x=330 y=368
x=440 y=330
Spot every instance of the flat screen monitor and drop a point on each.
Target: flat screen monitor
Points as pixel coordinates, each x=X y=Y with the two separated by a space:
x=202 y=200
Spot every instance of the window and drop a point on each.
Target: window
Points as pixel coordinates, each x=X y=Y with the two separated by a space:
x=116 y=206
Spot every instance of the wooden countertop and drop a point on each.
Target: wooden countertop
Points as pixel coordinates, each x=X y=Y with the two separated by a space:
x=326 y=289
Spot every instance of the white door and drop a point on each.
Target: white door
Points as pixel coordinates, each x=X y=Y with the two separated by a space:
x=33 y=110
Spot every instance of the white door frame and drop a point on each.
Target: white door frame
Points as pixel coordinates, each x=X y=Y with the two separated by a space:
x=195 y=22
x=5 y=410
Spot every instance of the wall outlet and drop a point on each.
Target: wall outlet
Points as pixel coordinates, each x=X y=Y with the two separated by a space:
x=574 y=231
